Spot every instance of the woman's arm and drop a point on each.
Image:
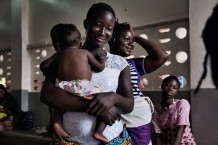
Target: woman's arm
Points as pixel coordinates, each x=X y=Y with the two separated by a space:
x=123 y=99
x=182 y=120
x=156 y=55
x=158 y=139
x=179 y=134
x=58 y=98
x=125 y=103
x=46 y=64
x=97 y=64
x=61 y=100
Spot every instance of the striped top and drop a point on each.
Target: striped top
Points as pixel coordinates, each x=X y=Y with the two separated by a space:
x=136 y=71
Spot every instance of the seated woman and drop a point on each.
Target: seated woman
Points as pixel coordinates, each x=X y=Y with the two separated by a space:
x=171 y=116
x=8 y=108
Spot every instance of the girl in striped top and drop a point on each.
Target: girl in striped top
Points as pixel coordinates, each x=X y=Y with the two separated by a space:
x=138 y=122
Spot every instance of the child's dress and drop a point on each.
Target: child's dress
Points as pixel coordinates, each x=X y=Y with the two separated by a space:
x=166 y=120
x=83 y=88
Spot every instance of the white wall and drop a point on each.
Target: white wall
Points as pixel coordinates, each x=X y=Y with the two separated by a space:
x=41 y=15
x=44 y=14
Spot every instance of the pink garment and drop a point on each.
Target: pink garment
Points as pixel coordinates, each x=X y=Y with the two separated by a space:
x=81 y=88
x=165 y=121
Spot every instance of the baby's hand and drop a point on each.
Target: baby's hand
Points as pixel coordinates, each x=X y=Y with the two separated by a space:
x=102 y=57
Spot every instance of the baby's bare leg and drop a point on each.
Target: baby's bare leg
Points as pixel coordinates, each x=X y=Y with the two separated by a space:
x=57 y=124
x=100 y=126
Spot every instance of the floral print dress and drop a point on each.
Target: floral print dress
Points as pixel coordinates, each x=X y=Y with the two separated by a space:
x=166 y=120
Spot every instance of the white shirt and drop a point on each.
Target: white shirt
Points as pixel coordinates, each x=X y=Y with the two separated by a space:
x=81 y=125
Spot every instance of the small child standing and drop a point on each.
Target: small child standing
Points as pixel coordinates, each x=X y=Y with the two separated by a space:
x=171 y=117
x=74 y=68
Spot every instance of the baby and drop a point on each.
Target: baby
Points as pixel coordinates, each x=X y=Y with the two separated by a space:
x=74 y=69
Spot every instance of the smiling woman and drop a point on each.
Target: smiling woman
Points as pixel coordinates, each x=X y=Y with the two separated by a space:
x=99 y=25
x=138 y=122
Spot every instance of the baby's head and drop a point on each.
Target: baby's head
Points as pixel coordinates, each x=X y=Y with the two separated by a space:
x=53 y=35
x=66 y=35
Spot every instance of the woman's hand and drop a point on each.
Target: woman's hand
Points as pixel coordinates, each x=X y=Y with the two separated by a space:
x=131 y=29
x=109 y=117
x=101 y=102
x=179 y=134
x=103 y=107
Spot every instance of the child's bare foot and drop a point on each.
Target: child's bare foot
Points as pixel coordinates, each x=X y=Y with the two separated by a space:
x=60 y=131
x=100 y=137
